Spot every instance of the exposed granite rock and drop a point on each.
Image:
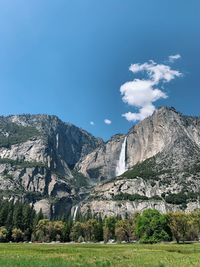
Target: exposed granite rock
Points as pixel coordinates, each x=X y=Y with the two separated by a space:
x=38 y=154
x=162 y=158
x=123 y=208
x=43 y=205
x=101 y=163
x=166 y=132
x=32 y=150
x=128 y=208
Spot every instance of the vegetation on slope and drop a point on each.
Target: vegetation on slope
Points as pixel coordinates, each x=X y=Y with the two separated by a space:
x=79 y=179
x=126 y=196
x=22 y=163
x=181 y=198
x=148 y=170
x=11 y=133
x=134 y=197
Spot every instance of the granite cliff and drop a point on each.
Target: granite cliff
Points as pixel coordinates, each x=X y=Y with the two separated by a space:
x=63 y=169
x=37 y=157
x=162 y=159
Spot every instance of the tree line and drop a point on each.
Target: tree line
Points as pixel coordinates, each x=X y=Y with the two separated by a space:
x=19 y=222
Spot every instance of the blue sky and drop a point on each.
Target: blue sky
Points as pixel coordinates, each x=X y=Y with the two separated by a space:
x=70 y=57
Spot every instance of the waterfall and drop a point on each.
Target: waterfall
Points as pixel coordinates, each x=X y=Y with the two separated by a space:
x=57 y=141
x=75 y=213
x=121 y=165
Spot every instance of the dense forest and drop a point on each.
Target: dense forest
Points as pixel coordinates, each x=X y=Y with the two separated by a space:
x=20 y=223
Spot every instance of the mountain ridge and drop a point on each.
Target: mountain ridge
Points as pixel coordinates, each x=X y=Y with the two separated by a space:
x=61 y=165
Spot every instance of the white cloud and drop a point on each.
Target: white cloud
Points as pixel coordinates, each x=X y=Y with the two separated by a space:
x=142 y=114
x=107 y=121
x=142 y=93
x=92 y=123
x=156 y=72
x=173 y=58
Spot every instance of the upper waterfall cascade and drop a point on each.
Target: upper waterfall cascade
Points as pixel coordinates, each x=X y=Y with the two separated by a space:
x=121 y=165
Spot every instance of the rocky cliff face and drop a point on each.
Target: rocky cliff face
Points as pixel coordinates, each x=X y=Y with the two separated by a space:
x=166 y=131
x=163 y=162
x=102 y=162
x=56 y=165
x=37 y=155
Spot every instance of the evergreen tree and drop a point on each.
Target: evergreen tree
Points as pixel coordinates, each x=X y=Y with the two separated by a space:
x=17 y=215
x=4 y=212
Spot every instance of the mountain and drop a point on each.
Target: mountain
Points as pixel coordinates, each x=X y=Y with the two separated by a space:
x=166 y=131
x=162 y=158
x=37 y=155
x=64 y=170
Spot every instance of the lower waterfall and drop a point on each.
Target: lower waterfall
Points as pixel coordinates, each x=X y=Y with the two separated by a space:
x=75 y=213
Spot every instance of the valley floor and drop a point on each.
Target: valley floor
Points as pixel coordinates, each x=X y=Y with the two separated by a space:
x=88 y=255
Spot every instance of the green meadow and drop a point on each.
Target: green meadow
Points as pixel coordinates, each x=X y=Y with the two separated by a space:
x=102 y=255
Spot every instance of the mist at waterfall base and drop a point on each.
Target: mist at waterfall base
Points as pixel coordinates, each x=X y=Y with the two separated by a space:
x=121 y=165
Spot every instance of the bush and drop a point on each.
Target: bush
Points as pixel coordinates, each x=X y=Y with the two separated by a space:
x=17 y=235
x=3 y=234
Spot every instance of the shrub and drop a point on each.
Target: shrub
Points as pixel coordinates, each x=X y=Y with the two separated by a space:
x=17 y=235
x=3 y=234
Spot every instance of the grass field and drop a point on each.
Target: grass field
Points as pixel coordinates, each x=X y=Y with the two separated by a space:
x=60 y=255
